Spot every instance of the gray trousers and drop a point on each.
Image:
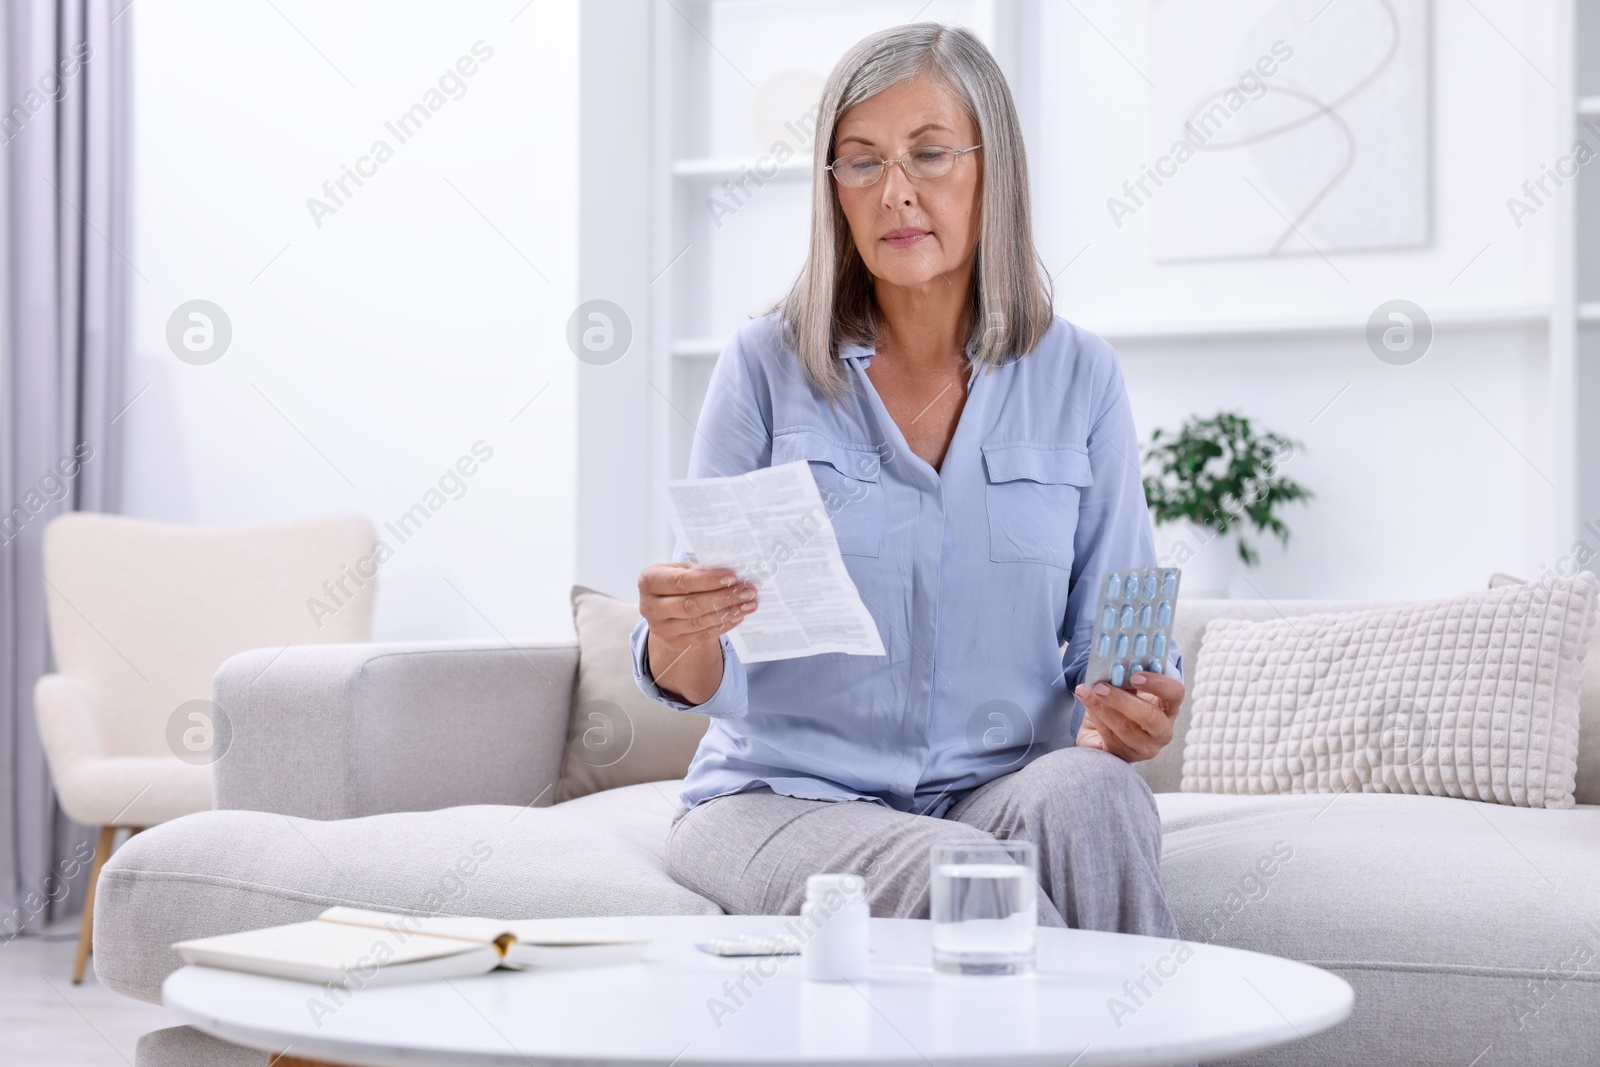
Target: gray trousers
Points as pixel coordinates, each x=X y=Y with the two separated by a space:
x=1093 y=819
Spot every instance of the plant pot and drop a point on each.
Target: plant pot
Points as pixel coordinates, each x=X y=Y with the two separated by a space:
x=1210 y=561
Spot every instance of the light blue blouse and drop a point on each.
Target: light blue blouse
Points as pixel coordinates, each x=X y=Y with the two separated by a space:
x=977 y=574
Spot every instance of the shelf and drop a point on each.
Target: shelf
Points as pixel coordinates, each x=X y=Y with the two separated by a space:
x=1588 y=106
x=711 y=170
x=698 y=348
x=1208 y=331
x=1589 y=311
x=710 y=347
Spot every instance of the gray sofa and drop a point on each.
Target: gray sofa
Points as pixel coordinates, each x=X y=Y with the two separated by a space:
x=379 y=775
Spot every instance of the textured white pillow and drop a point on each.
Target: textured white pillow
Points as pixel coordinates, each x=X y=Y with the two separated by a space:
x=1474 y=696
x=1588 y=789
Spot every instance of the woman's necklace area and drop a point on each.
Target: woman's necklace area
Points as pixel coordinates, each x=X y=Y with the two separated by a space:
x=907 y=411
x=964 y=372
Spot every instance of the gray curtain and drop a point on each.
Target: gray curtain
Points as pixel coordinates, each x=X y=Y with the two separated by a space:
x=63 y=184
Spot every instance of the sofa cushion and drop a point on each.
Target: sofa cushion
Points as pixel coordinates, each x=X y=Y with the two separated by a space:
x=1385 y=880
x=1461 y=924
x=616 y=735
x=1472 y=696
x=639 y=814
x=222 y=871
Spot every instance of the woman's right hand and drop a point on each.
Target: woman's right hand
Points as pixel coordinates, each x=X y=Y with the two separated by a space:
x=686 y=605
x=687 y=608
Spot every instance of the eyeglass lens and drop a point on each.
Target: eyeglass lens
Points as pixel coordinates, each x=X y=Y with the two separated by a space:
x=931 y=162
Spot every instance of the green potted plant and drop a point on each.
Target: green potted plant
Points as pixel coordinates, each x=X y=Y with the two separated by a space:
x=1207 y=482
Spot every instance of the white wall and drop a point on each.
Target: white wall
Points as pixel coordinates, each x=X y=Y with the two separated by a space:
x=378 y=347
x=1428 y=477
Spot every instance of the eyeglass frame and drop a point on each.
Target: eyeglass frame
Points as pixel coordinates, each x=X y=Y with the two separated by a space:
x=955 y=154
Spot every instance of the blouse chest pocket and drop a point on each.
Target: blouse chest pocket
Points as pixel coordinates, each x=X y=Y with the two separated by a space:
x=847 y=478
x=1032 y=497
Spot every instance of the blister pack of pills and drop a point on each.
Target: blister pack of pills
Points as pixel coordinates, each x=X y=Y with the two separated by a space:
x=751 y=945
x=1132 y=624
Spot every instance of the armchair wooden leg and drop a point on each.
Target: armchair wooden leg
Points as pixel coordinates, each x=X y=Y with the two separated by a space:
x=108 y=834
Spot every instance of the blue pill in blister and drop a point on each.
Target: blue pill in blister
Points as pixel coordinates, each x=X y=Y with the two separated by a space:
x=1116 y=674
x=1164 y=614
x=1150 y=586
x=1158 y=647
x=1126 y=618
x=1122 y=646
x=1144 y=617
x=1104 y=646
x=1169 y=583
x=1139 y=643
x=1108 y=618
x=1114 y=585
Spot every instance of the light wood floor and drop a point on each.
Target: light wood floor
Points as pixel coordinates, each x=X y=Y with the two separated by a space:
x=45 y=1019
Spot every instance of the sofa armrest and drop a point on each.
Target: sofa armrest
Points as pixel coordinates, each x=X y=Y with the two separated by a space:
x=341 y=731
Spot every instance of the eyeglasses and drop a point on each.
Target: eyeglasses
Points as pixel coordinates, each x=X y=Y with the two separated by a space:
x=929 y=161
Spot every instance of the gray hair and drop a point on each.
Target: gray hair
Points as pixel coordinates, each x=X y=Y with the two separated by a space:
x=831 y=302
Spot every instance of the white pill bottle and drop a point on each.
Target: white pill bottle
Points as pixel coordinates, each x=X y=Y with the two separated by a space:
x=835 y=913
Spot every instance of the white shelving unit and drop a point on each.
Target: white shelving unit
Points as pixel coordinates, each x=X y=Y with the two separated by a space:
x=1575 y=316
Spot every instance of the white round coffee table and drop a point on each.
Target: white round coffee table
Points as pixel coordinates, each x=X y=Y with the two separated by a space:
x=1097 y=999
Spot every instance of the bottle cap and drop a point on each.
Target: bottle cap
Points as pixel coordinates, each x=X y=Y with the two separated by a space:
x=852 y=886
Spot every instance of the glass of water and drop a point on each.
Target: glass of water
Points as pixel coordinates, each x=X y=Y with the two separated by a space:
x=984 y=906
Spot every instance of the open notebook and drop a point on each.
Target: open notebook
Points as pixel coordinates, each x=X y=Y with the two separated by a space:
x=377 y=948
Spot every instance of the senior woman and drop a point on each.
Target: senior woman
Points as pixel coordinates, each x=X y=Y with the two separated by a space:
x=980 y=463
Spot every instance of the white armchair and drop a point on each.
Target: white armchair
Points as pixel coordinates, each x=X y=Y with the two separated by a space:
x=141 y=616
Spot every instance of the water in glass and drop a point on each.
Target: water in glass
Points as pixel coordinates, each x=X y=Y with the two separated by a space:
x=984 y=907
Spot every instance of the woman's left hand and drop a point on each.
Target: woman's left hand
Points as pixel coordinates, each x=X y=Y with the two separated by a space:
x=1133 y=725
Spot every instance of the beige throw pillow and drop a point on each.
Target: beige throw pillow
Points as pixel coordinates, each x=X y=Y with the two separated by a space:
x=1473 y=696
x=618 y=736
